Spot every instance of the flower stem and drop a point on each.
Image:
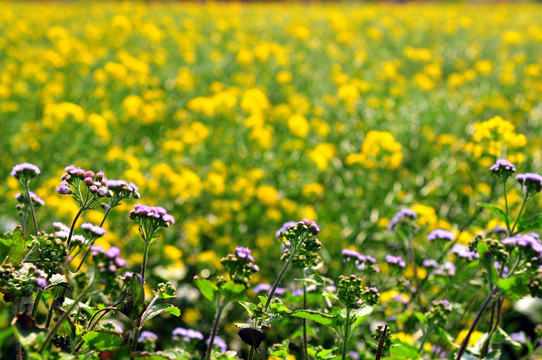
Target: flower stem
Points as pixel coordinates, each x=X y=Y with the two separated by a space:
x=277 y=281
x=32 y=211
x=474 y=323
x=346 y=333
x=144 y=263
x=133 y=348
x=506 y=207
x=519 y=214
x=220 y=308
x=73 y=225
x=55 y=328
x=305 y=341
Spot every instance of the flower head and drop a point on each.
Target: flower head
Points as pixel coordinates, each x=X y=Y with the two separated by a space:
x=404 y=216
x=395 y=260
x=63 y=188
x=186 y=334
x=464 y=252
x=529 y=241
x=156 y=213
x=147 y=336
x=440 y=234
x=503 y=168
x=25 y=171
x=21 y=198
x=532 y=183
x=93 y=230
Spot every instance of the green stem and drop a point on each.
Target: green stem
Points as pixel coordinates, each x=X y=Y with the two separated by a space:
x=519 y=214
x=73 y=225
x=36 y=303
x=346 y=333
x=412 y=259
x=133 y=348
x=55 y=328
x=32 y=211
x=25 y=215
x=144 y=264
x=277 y=281
x=305 y=341
x=506 y=207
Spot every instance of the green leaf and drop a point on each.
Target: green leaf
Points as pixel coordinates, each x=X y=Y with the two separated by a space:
x=514 y=287
x=360 y=314
x=207 y=288
x=17 y=247
x=401 y=350
x=494 y=355
x=502 y=337
x=157 y=309
x=421 y=317
x=445 y=336
x=487 y=261
x=497 y=211
x=102 y=340
x=138 y=297
x=533 y=223
x=232 y=291
x=315 y=316
x=5 y=245
x=249 y=307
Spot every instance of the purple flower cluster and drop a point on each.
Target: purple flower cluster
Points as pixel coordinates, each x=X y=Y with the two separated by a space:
x=503 y=167
x=145 y=212
x=122 y=188
x=402 y=216
x=112 y=255
x=219 y=342
x=21 y=198
x=531 y=240
x=93 y=230
x=186 y=334
x=464 y=252
x=25 y=171
x=95 y=182
x=147 y=336
x=532 y=183
x=360 y=261
x=440 y=235
x=284 y=228
x=244 y=253
x=395 y=260
x=266 y=288
x=446 y=269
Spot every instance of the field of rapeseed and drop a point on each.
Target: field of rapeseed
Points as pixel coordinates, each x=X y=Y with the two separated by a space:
x=237 y=118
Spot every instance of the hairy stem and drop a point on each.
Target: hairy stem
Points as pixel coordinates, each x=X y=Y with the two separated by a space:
x=346 y=334
x=220 y=307
x=32 y=211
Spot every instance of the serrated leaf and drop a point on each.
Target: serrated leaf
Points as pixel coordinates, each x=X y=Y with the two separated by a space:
x=232 y=291
x=103 y=340
x=207 y=288
x=157 y=309
x=315 y=316
x=514 y=287
x=17 y=247
x=249 y=307
x=361 y=314
x=497 y=211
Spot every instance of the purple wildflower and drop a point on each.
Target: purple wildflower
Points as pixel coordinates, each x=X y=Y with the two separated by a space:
x=531 y=182
x=464 y=252
x=112 y=252
x=147 y=336
x=94 y=230
x=430 y=263
x=141 y=211
x=41 y=282
x=64 y=188
x=446 y=269
x=244 y=253
x=395 y=260
x=530 y=240
x=284 y=227
x=186 y=334
x=266 y=288
x=220 y=343
x=25 y=171
x=403 y=215
x=60 y=226
x=441 y=235
x=503 y=167
x=21 y=197
x=520 y=337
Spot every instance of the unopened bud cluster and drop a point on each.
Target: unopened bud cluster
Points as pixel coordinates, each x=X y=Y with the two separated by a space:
x=96 y=183
x=438 y=313
x=350 y=290
x=48 y=252
x=240 y=266
x=15 y=284
x=302 y=236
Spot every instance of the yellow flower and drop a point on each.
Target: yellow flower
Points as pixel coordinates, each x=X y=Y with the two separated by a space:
x=267 y=195
x=475 y=336
x=298 y=125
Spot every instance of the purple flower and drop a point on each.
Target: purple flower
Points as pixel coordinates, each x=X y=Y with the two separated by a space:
x=441 y=235
x=64 y=188
x=403 y=215
x=395 y=260
x=25 y=171
x=284 y=227
x=61 y=226
x=530 y=240
x=430 y=263
x=531 y=182
x=311 y=225
x=244 y=253
x=141 y=211
x=147 y=336
x=21 y=197
x=520 y=337
x=499 y=230
x=446 y=269
x=41 y=282
x=266 y=288
x=464 y=252
x=349 y=255
x=220 y=343
x=186 y=334
x=112 y=252
x=94 y=230
x=504 y=167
